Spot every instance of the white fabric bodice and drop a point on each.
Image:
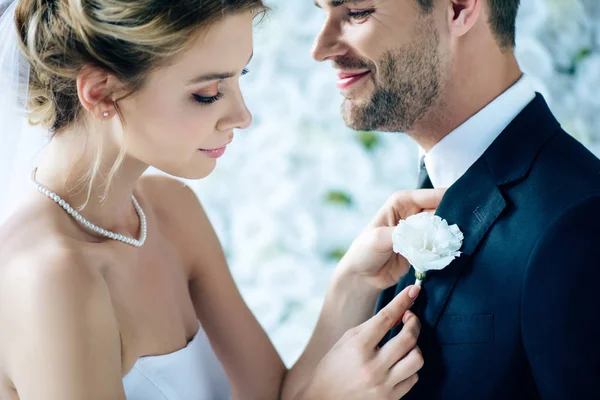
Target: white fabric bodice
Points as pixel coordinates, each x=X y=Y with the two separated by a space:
x=192 y=373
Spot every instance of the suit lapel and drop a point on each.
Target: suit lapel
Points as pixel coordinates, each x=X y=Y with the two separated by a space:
x=475 y=202
x=474 y=211
x=474 y=208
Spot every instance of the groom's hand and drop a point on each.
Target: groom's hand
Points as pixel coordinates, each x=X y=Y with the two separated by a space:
x=356 y=368
x=371 y=254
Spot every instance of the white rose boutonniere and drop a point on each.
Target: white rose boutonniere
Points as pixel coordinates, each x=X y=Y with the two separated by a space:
x=427 y=242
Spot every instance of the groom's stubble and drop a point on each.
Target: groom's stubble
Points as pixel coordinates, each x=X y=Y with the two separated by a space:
x=407 y=82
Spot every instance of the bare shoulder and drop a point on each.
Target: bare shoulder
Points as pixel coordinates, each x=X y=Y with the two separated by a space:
x=52 y=277
x=60 y=318
x=54 y=261
x=44 y=264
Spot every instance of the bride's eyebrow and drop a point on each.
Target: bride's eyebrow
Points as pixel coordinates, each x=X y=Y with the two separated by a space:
x=216 y=76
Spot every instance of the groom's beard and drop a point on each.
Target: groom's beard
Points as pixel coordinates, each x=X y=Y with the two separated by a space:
x=406 y=84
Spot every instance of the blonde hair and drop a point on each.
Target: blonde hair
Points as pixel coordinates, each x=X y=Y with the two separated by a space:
x=128 y=39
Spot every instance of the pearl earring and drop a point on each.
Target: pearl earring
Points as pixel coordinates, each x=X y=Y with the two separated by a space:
x=105 y=114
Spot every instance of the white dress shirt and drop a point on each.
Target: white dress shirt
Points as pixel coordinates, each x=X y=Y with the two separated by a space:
x=451 y=157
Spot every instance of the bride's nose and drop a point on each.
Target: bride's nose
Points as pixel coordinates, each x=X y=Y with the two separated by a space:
x=238 y=117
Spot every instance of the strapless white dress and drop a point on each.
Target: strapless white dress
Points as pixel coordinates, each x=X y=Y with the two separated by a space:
x=192 y=373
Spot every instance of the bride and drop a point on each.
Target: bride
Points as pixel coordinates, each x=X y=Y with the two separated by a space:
x=113 y=284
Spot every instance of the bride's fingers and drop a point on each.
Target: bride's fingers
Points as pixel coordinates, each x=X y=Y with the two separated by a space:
x=427 y=198
x=408 y=366
x=399 y=267
x=390 y=213
x=401 y=389
x=402 y=344
x=374 y=329
x=405 y=203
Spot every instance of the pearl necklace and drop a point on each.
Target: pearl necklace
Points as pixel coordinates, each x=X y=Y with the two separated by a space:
x=102 y=232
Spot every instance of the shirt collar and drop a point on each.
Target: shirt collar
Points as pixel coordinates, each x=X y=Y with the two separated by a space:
x=452 y=156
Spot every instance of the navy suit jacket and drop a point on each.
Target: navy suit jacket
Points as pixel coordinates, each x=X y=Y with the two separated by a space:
x=517 y=316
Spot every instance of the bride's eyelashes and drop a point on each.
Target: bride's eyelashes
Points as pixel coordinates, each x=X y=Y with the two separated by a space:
x=213 y=99
x=208 y=100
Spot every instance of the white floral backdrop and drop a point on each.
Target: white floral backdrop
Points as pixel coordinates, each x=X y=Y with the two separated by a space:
x=295 y=189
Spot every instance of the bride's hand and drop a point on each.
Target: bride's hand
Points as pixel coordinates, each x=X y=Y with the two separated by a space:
x=371 y=254
x=357 y=369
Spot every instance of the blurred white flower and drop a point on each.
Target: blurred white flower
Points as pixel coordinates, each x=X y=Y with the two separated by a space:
x=534 y=58
x=567 y=31
x=532 y=16
x=587 y=82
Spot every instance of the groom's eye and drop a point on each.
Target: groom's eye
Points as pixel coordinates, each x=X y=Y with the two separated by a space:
x=358 y=15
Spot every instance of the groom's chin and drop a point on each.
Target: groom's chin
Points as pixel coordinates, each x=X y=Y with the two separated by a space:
x=352 y=114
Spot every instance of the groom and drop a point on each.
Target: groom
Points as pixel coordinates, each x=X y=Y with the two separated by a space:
x=516 y=316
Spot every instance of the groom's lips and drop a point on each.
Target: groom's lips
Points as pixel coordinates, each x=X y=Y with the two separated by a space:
x=347 y=79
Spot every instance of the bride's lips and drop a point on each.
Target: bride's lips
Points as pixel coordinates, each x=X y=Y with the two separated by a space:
x=217 y=152
x=347 y=79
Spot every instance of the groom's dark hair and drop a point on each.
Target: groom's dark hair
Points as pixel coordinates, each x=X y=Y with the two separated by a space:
x=503 y=15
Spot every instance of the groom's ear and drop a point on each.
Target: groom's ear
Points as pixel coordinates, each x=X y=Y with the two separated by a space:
x=463 y=15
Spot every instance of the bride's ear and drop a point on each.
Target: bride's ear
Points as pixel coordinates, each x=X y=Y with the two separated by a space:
x=97 y=89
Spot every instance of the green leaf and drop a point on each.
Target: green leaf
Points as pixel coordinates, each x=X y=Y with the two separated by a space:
x=336 y=254
x=583 y=54
x=572 y=69
x=338 y=197
x=369 y=140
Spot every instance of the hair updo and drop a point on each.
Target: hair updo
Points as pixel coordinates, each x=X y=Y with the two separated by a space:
x=128 y=39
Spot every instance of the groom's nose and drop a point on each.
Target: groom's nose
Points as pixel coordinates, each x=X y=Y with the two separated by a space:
x=328 y=44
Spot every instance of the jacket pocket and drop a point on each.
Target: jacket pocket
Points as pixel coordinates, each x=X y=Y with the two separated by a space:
x=465 y=329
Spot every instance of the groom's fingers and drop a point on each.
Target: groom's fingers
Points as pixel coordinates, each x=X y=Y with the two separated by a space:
x=375 y=328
